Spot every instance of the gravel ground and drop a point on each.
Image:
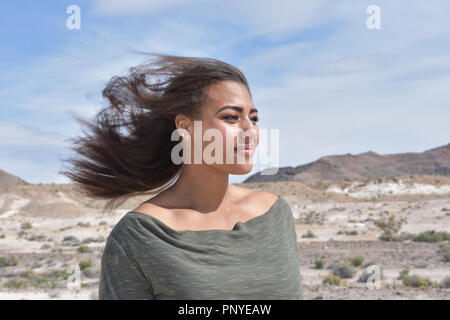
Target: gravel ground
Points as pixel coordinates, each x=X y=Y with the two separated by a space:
x=43 y=227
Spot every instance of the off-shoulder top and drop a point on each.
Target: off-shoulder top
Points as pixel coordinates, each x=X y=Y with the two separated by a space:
x=258 y=259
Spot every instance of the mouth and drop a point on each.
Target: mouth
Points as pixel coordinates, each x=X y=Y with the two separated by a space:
x=248 y=149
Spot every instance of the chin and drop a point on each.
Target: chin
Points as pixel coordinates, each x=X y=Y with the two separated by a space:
x=237 y=168
x=240 y=169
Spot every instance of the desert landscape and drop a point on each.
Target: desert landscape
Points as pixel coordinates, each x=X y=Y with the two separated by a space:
x=339 y=105
x=368 y=226
x=47 y=231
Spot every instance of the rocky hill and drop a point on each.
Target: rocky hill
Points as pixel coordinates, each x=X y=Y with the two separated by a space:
x=365 y=165
x=7 y=179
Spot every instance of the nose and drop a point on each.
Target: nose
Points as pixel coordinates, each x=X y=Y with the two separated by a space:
x=248 y=134
x=247 y=124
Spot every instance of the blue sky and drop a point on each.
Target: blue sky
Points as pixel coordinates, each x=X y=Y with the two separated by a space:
x=317 y=73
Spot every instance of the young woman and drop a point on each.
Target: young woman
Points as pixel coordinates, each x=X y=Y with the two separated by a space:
x=198 y=237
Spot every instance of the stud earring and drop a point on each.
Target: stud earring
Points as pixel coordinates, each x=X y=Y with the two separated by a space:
x=186 y=134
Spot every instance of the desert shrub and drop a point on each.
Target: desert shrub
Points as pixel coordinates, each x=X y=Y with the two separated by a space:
x=403 y=273
x=30 y=278
x=308 y=234
x=343 y=270
x=389 y=225
x=405 y=236
x=311 y=217
x=319 y=264
x=90 y=273
x=357 y=261
x=8 y=261
x=38 y=238
x=85 y=263
x=83 y=249
x=416 y=281
x=365 y=275
x=432 y=236
x=333 y=280
x=70 y=238
x=16 y=283
x=348 y=233
x=58 y=274
x=26 y=225
x=83 y=224
x=21 y=233
x=444 y=250
x=445 y=283
x=71 y=241
x=90 y=239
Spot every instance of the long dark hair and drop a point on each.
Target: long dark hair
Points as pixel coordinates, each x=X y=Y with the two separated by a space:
x=126 y=149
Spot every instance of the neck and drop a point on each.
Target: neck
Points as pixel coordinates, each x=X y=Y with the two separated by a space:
x=202 y=188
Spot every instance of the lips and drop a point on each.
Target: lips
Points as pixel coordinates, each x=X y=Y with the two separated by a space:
x=246 y=147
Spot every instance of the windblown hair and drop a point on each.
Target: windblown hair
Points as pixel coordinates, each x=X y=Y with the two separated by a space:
x=126 y=148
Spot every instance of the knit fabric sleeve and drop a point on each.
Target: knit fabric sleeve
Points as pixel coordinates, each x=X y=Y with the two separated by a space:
x=120 y=277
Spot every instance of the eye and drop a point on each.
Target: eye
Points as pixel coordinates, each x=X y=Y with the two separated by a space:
x=231 y=117
x=235 y=118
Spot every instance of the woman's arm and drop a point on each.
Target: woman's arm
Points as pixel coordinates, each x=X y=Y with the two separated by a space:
x=120 y=278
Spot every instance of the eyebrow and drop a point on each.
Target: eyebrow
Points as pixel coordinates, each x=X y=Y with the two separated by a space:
x=236 y=108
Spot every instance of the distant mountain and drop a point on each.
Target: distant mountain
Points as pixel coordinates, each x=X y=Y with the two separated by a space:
x=369 y=164
x=7 y=179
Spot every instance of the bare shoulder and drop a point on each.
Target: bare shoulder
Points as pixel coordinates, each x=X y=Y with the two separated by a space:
x=248 y=200
x=267 y=199
x=153 y=207
x=263 y=200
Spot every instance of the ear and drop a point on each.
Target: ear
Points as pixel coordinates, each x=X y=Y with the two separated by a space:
x=183 y=122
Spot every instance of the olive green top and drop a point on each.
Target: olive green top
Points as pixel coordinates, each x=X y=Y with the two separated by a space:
x=258 y=259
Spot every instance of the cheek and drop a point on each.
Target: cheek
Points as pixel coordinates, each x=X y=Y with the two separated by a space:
x=231 y=137
x=227 y=136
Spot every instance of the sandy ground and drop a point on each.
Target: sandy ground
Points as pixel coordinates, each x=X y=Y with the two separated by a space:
x=340 y=215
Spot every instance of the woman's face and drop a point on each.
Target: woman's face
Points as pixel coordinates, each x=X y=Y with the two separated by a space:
x=230 y=112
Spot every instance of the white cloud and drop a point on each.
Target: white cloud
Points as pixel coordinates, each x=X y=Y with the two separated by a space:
x=19 y=135
x=32 y=171
x=118 y=7
x=346 y=88
x=254 y=17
